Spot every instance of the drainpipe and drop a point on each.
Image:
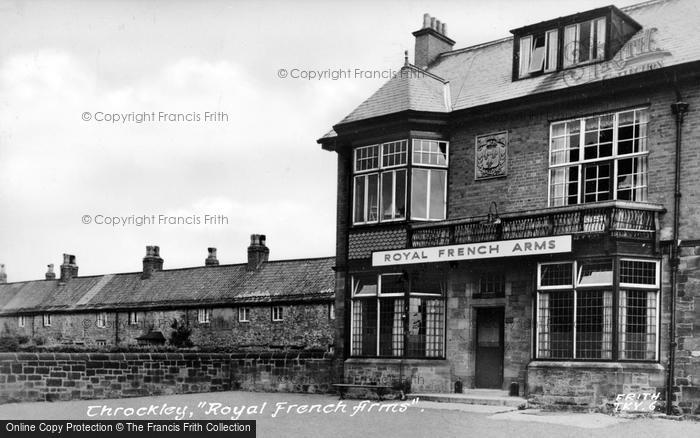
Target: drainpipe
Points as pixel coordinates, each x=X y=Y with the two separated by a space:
x=679 y=109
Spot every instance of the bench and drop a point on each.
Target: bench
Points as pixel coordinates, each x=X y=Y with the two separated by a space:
x=380 y=390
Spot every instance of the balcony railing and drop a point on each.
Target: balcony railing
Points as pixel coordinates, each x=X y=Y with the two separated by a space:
x=617 y=218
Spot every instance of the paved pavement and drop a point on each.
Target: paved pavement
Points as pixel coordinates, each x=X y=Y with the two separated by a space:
x=283 y=415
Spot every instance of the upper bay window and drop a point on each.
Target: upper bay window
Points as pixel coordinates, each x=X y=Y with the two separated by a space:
x=381 y=181
x=599 y=158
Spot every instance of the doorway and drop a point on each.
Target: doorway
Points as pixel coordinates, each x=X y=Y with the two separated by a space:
x=489 y=348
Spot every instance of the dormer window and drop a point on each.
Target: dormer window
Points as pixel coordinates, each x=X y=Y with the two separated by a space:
x=584 y=42
x=538 y=53
x=571 y=41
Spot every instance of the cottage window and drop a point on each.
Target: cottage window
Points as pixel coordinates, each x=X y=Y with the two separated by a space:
x=381 y=174
x=20 y=321
x=133 y=318
x=390 y=319
x=244 y=314
x=101 y=320
x=599 y=158
x=277 y=313
x=575 y=313
x=47 y=319
x=204 y=315
x=331 y=311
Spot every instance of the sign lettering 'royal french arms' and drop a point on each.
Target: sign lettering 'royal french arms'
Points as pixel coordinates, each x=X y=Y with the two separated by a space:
x=472 y=251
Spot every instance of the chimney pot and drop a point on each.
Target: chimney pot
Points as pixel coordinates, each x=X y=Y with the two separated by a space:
x=258 y=253
x=3 y=275
x=152 y=262
x=69 y=268
x=431 y=41
x=211 y=259
x=50 y=274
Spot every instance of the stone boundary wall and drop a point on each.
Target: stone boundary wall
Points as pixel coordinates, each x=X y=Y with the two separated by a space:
x=70 y=376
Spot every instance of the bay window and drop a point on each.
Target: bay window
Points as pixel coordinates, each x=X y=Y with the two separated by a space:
x=599 y=158
x=380 y=165
x=381 y=181
x=429 y=180
x=580 y=311
x=391 y=319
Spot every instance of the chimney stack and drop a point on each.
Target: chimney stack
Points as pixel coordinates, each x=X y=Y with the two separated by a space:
x=50 y=275
x=152 y=262
x=258 y=253
x=3 y=275
x=431 y=41
x=211 y=259
x=68 y=269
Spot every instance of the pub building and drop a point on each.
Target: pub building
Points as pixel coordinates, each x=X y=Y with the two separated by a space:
x=524 y=213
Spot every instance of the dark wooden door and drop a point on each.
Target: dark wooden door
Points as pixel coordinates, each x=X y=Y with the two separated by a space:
x=489 y=348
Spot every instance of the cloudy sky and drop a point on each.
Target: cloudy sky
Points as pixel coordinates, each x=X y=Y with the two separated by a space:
x=262 y=169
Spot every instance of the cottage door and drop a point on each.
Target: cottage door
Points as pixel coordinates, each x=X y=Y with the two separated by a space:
x=489 y=348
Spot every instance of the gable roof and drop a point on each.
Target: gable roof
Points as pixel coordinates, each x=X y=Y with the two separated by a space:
x=274 y=281
x=482 y=74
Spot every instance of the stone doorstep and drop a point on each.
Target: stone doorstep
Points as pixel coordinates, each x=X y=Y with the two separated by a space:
x=487 y=397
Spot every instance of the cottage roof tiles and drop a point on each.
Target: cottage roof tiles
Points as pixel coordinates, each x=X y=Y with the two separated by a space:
x=295 y=280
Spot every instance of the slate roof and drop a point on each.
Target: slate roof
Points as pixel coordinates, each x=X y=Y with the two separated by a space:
x=482 y=74
x=410 y=89
x=275 y=281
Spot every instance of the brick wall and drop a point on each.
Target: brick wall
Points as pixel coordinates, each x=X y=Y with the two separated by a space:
x=303 y=326
x=68 y=376
x=526 y=185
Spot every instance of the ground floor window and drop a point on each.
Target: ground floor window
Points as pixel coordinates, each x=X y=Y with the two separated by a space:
x=102 y=319
x=277 y=313
x=582 y=313
x=133 y=318
x=396 y=316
